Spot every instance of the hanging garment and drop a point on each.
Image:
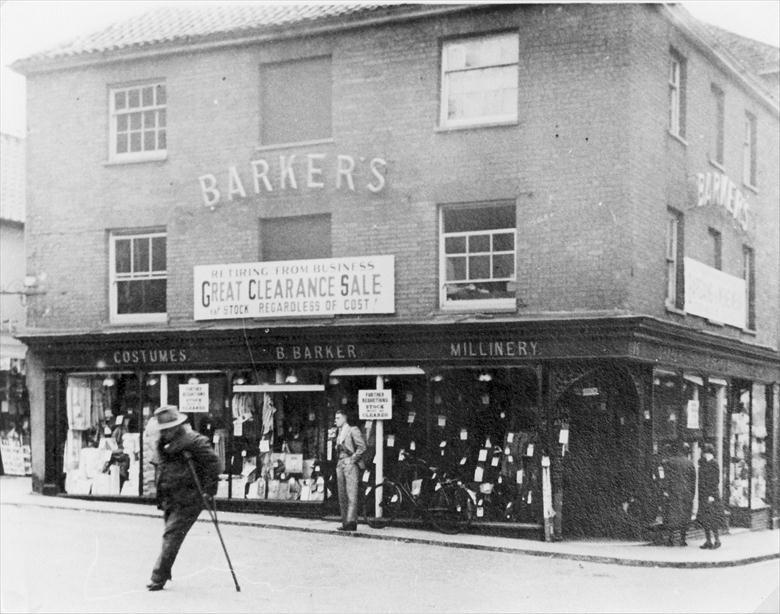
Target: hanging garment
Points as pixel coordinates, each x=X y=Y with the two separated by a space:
x=74 y=441
x=79 y=403
x=268 y=413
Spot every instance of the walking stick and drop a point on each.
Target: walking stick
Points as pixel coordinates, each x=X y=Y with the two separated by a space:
x=213 y=514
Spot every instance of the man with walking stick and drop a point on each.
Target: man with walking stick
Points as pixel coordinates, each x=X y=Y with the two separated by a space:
x=187 y=476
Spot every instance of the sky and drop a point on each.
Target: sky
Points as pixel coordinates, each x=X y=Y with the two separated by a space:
x=24 y=31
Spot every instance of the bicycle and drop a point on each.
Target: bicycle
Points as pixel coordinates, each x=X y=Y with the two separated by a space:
x=445 y=503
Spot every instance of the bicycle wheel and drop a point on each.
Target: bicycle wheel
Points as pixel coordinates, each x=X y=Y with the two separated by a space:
x=450 y=510
x=392 y=501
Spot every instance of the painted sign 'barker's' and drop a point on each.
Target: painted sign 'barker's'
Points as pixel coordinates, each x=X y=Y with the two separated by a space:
x=313 y=171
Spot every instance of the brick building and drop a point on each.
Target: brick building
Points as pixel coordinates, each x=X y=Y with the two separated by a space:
x=550 y=230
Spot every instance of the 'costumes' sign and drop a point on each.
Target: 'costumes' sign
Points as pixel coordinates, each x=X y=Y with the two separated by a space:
x=294 y=288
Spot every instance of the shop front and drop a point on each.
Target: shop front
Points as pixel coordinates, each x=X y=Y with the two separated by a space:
x=495 y=403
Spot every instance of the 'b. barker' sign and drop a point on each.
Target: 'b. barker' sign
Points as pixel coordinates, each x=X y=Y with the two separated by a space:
x=294 y=288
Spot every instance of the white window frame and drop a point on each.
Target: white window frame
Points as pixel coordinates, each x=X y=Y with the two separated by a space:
x=488 y=304
x=672 y=238
x=676 y=95
x=115 y=278
x=446 y=70
x=749 y=151
x=114 y=114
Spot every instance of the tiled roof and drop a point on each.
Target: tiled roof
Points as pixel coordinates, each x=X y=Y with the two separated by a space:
x=758 y=57
x=189 y=24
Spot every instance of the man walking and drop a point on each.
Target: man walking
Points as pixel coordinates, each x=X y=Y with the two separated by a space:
x=177 y=492
x=350 y=446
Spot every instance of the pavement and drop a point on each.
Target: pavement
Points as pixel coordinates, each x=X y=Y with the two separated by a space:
x=740 y=546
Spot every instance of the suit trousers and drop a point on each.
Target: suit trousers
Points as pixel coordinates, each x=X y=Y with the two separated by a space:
x=347 y=476
x=178 y=522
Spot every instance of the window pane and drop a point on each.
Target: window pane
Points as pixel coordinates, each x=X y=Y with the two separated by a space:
x=149 y=119
x=479 y=267
x=666 y=406
x=148 y=96
x=296 y=101
x=144 y=296
x=135 y=141
x=149 y=140
x=503 y=266
x=120 y=100
x=455 y=245
x=121 y=123
x=503 y=242
x=133 y=98
x=479 y=218
x=161 y=116
x=479 y=243
x=122 y=255
x=456 y=269
x=161 y=94
x=135 y=121
x=154 y=296
x=121 y=143
x=158 y=254
x=162 y=142
x=483 y=92
x=140 y=255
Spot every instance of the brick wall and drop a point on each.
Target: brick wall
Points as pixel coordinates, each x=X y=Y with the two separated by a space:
x=590 y=164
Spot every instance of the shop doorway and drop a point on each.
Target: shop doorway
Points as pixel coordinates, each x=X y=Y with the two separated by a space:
x=602 y=466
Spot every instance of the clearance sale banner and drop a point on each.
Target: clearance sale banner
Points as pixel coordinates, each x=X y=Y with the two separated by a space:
x=295 y=288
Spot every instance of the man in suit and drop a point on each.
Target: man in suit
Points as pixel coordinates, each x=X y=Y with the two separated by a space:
x=350 y=447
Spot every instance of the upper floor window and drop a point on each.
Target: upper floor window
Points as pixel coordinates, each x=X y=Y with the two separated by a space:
x=138 y=277
x=479 y=80
x=477 y=256
x=720 y=121
x=674 y=260
x=295 y=101
x=300 y=237
x=749 y=275
x=749 y=151
x=138 y=122
x=677 y=79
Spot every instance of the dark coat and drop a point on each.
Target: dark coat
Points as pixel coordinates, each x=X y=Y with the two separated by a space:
x=175 y=484
x=679 y=490
x=710 y=514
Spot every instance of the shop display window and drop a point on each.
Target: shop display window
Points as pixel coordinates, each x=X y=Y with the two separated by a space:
x=693 y=402
x=759 y=497
x=102 y=448
x=739 y=448
x=485 y=429
x=276 y=437
x=667 y=408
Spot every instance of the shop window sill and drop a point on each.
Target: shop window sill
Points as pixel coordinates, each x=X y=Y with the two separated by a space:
x=157 y=157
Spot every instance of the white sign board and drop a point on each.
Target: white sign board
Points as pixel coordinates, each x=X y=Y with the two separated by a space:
x=295 y=288
x=713 y=294
x=193 y=398
x=375 y=404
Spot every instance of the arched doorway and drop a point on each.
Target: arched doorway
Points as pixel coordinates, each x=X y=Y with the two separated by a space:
x=602 y=467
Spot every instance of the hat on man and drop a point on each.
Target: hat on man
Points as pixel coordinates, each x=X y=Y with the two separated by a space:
x=708 y=447
x=168 y=416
